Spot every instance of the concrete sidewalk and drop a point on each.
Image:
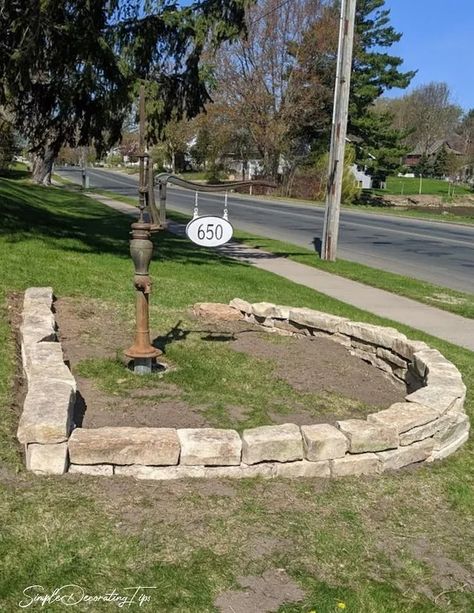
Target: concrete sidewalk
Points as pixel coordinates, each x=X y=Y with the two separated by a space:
x=447 y=326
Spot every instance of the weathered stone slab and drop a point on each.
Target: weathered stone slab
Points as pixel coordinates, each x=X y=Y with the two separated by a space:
x=378 y=335
x=371 y=358
x=216 y=311
x=444 y=452
x=303 y=468
x=390 y=356
x=92 y=469
x=417 y=452
x=316 y=319
x=244 y=471
x=47 y=459
x=35 y=333
x=267 y=309
x=47 y=412
x=404 y=416
x=452 y=426
x=162 y=473
x=241 y=305
x=361 y=464
x=38 y=295
x=367 y=436
x=209 y=447
x=342 y=339
x=421 y=432
x=436 y=397
x=407 y=348
x=323 y=442
x=46 y=353
x=124 y=445
x=363 y=346
x=49 y=372
x=272 y=443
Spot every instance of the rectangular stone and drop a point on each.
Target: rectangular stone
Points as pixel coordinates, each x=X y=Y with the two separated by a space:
x=162 y=473
x=366 y=436
x=361 y=464
x=38 y=295
x=47 y=459
x=323 y=442
x=47 y=413
x=316 y=319
x=403 y=416
x=303 y=468
x=244 y=471
x=421 y=432
x=124 y=445
x=378 y=335
x=441 y=399
x=209 y=447
x=241 y=305
x=37 y=333
x=417 y=452
x=272 y=443
x=269 y=310
x=390 y=356
x=106 y=470
x=453 y=426
x=447 y=450
x=407 y=348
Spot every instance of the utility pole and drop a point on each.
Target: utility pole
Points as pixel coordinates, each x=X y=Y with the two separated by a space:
x=338 y=131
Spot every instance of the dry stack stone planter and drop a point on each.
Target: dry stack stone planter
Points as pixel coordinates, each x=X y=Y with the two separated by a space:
x=430 y=425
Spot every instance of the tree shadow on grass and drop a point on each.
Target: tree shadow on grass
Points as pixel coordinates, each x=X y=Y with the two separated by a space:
x=73 y=222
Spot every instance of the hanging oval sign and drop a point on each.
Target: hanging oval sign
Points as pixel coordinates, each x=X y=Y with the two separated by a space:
x=209 y=231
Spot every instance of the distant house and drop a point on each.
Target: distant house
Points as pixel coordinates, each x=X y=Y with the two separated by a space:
x=364 y=180
x=415 y=156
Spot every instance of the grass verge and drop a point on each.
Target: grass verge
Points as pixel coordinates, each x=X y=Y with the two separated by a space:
x=399 y=543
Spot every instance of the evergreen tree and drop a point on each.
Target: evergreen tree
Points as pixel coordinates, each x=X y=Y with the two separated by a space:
x=70 y=68
x=374 y=71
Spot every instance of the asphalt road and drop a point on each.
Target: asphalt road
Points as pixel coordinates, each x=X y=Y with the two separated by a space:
x=440 y=253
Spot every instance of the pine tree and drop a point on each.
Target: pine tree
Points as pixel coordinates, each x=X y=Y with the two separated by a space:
x=70 y=69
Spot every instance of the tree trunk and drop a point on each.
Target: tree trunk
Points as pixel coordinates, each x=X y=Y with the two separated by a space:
x=43 y=166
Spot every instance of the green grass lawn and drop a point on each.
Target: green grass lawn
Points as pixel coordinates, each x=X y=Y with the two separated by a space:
x=393 y=544
x=410 y=186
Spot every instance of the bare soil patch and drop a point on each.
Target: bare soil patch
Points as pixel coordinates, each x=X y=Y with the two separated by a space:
x=91 y=329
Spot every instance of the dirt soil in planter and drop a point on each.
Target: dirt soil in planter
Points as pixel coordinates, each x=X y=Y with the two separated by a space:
x=91 y=329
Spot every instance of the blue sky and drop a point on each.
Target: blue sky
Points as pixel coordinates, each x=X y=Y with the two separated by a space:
x=438 y=40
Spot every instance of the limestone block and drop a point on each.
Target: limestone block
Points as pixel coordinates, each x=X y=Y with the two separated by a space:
x=216 y=311
x=367 y=436
x=371 y=358
x=378 y=335
x=31 y=333
x=47 y=459
x=124 y=445
x=272 y=443
x=268 y=310
x=316 y=319
x=45 y=353
x=444 y=452
x=366 y=347
x=342 y=339
x=437 y=397
x=92 y=469
x=303 y=468
x=360 y=464
x=323 y=442
x=421 y=432
x=164 y=473
x=47 y=412
x=417 y=452
x=209 y=447
x=453 y=426
x=241 y=305
x=244 y=471
x=390 y=356
x=38 y=295
x=404 y=416
x=407 y=348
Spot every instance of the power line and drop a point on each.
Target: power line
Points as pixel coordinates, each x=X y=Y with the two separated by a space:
x=273 y=10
